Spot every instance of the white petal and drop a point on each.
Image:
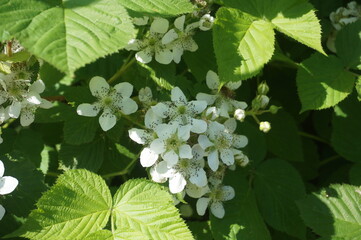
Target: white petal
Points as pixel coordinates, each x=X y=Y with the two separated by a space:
x=125 y=89
x=144 y=56
x=233 y=85
x=158 y=146
x=171 y=158
x=33 y=97
x=165 y=131
x=14 y=110
x=227 y=156
x=231 y=125
x=163 y=169
x=199 y=177
x=99 y=87
x=217 y=209
x=240 y=141
x=134 y=44
x=198 y=152
x=156 y=176
x=3 y=96
x=107 y=120
x=27 y=117
x=38 y=86
x=45 y=104
x=198 y=126
x=178 y=51
x=2 y=168
x=169 y=37
x=194 y=191
x=88 y=110
x=164 y=56
x=7 y=185
x=190 y=45
x=202 y=205
x=204 y=142
x=159 y=25
x=128 y=106
x=2 y=212
x=151 y=120
x=196 y=107
x=184 y=132
x=162 y=110
x=178 y=96
x=179 y=22
x=213 y=160
x=210 y=99
x=177 y=183
x=185 y=151
x=139 y=135
x=212 y=80
x=227 y=193
x=148 y=157
x=238 y=104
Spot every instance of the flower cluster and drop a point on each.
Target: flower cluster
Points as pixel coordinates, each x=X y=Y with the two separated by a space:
x=165 y=44
x=342 y=17
x=191 y=144
x=7 y=185
x=112 y=101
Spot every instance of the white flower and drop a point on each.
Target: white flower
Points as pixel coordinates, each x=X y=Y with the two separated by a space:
x=265 y=127
x=195 y=191
x=217 y=196
x=152 y=44
x=343 y=16
x=180 y=38
x=222 y=99
x=110 y=99
x=27 y=114
x=240 y=114
x=182 y=112
x=3 y=115
x=7 y=185
x=206 y=22
x=220 y=142
x=191 y=170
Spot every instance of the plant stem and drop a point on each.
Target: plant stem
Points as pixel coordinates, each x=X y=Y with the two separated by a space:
x=129 y=119
x=307 y=135
x=129 y=62
x=124 y=171
x=327 y=160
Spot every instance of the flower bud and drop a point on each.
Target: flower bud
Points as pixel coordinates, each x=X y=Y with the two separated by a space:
x=273 y=109
x=239 y=114
x=212 y=113
x=206 y=22
x=242 y=160
x=265 y=126
x=261 y=101
x=262 y=88
x=145 y=95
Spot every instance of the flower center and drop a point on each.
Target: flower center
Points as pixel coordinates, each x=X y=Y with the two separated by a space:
x=223 y=141
x=107 y=101
x=173 y=143
x=182 y=109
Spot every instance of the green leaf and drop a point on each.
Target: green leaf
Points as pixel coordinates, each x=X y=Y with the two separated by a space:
x=322 y=82
x=200 y=230
x=89 y=156
x=346 y=134
x=123 y=234
x=242 y=44
x=283 y=140
x=158 y=7
x=348 y=45
x=335 y=212
x=16 y=57
x=355 y=176
x=159 y=219
x=76 y=206
x=79 y=32
x=295 y=18
x=163 y=77
x=277 y=186
x=242 y=220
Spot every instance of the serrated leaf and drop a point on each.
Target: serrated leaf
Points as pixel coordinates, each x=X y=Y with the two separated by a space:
x=295 y=18
x=242 y=44
x=348 y=45
x=334 y=212
x=277 y=186
x=158 y=7
x=242 y=219
x=158 y=218
x=79 y=32
x=76 y=206
x=346 y=134
x=322 y=82
x=123 y=234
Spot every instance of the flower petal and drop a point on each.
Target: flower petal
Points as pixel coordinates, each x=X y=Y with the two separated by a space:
x=177 y=183
x=162 y=110
x=45 y=104
x=163 y=55
x=134 y=44
x=151 y=120
x=217 y=209
x=159 y=25
x=194 y=191
x=38 y=86
x=88 y=110
x=196 y=107
x=158 y=146
x=204 y=141
x=148 y=157
x=198 y=177
x=179 y=22
x=233 y=85
x=184 y=132
x=128 y=106
x=169 y=37
x=213 y=160
x=125 y=89
x=238 y=104
x=199 y=126
x=210 y=99
x=140 y=136
x=107 y=120
x=99 y=87
x=212 y=80
x=178 y=51
x=240 y=141
x=2 y=169
x=227 y=156
x=202 y=205
x=144 y=56
x=227 y=193
x=27 y=117
x=185 y=151
x=156 y=176
x=178 y=97
x=34 y=98
x=198 y=152
x=14 y=109
x=231 y=125
x=171 y=157
x=165 y=131
x=190 y=45
x=2 y=212
x=7 y=185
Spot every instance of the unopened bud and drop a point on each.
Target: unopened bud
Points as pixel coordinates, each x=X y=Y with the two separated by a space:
x=242 y=160
x=206 y=22
x=186 y=210
x=145 y=95
x=261 y=101
x=274 y=109
x=265 y=127
x=263 y=88
x=212 y=113
x=240 y=114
